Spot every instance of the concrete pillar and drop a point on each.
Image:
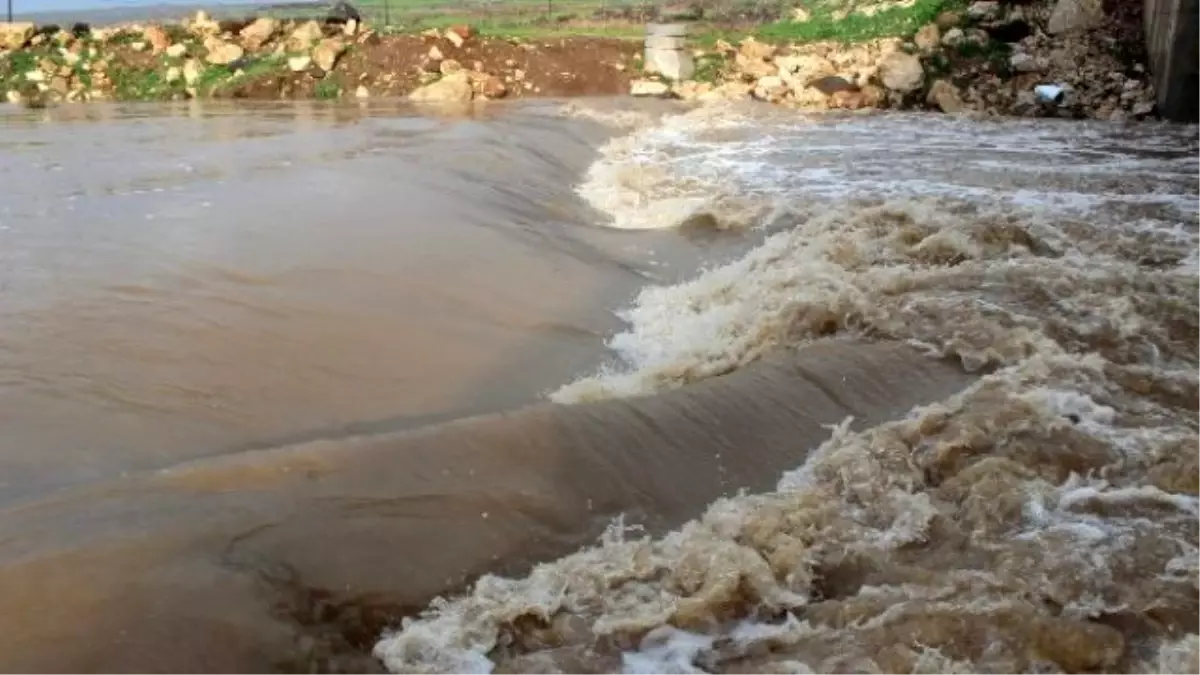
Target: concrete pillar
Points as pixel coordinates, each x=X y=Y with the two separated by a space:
x=666 y=51
x=1171 y=41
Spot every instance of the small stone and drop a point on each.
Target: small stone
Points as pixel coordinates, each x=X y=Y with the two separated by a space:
x=454 y=38
x=12 y=96
x=946 y=96
x=60 y=85
x=901 y=72
x=928 y=38
x=70 y=58
x=362 y=91
x=1143 y=108
x=174 y=74
x=139 y=46
x=518 y=75
x=1024 y=63
x=176 y=51
x=800 y=70
x=954 y=37
x=754 y=50
x=299 y=64
x=648 y=88
x=436 y=54
x=35 y=76
x=191 y=71
x=350 y=28
x=800 y=15
x=449 y=66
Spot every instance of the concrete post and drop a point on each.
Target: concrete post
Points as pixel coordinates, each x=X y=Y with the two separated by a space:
x=1171 y=42
x=666 y=51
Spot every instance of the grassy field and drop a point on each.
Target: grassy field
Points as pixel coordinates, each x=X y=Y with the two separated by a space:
x=765 y=19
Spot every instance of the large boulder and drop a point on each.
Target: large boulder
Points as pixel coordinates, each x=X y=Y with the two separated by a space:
x=1072 y=16
x=327 y=53
x=303 y=37
x=454 y=88
x=799 y=70
x=901 y=72
x=259 y=33
x=221 y=53
x=15 y=35
x=157 y=37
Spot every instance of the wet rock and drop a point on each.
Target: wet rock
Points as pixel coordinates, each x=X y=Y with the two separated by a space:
x=454 y=88
x=157 y=37
x=327 y=53
x=771 y=88
x=488 y=86
x=259 y=33
x=299 y=64
x=176 y=51
x=648 y=88
x=984 y=11
x=947 y=20
x=832 y=84
x=954 y=37
x=449 y=66
x=1070 y=16
x=928 y=38
x=945 y=96
x=221 y=53
x=901 y=72
x=303 y=37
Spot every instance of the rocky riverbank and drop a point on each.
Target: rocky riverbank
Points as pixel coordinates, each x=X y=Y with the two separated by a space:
x=266 y=58
x=1065 y=58
x=1060 y=58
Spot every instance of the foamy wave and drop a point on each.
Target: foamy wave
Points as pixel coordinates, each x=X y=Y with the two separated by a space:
x=1043 y=520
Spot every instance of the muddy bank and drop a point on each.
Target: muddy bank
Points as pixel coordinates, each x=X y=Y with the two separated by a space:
x=296 y=557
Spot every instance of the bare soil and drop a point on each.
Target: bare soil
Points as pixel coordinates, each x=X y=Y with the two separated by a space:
x=394 y=65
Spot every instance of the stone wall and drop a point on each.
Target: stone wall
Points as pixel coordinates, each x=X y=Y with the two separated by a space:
x=1171 y=41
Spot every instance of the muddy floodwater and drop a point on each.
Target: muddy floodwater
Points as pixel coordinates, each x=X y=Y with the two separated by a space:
x=721 y=390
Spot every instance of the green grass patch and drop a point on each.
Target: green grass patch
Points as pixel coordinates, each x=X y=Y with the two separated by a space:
x=825 y=24
x=327 y=90
x=709 y=68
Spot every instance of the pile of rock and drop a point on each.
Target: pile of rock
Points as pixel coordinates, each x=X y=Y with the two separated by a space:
x=989 y=59
x=447 y=81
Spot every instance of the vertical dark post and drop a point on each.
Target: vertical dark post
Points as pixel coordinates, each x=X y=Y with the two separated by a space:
x=387 y=13
x=10 y=11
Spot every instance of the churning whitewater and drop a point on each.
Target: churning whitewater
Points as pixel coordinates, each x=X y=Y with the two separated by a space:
x=1042 y=519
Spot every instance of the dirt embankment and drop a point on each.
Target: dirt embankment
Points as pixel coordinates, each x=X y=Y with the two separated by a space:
x=269 y=59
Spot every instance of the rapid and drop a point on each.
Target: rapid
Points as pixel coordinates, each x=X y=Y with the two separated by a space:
x=595 y=387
